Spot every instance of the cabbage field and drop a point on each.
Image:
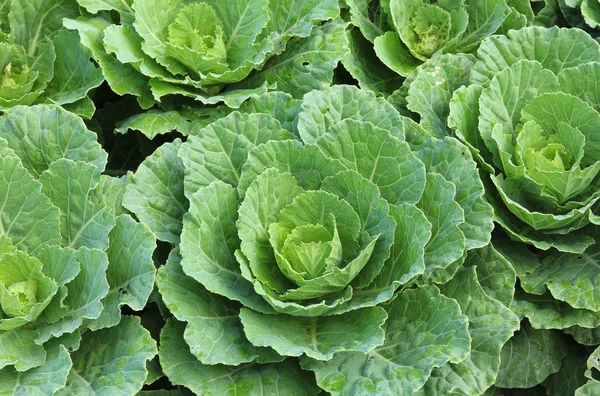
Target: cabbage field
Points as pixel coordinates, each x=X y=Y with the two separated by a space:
x=300 y=197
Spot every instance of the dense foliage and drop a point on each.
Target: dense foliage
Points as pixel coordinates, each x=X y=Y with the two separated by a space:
x=299 y=197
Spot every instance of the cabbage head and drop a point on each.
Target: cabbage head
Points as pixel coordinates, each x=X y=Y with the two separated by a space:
x=321 y=236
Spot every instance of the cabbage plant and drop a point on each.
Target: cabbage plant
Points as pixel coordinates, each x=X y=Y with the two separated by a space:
x=407 y=33
x=70 y=257
x=213 y=51
x=534 y=130
x=42 y=62
x=392 y=38
x=314 y=237
x=526 y=106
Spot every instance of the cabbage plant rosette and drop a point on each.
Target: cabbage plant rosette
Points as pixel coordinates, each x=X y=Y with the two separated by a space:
x=531 y=116
x=302 y=252
x=405 y=33
x=42 y=62
x=69 y=259
x=535 y=131
x=207 y=50
x=196 y=49
x=295 y=244
x=19 y=83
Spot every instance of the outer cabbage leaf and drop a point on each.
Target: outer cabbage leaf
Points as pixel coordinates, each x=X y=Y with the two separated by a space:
x=307 y=163
x=157 y=122
x=213 y=333
x=372 y=18
x=316 y=337
x=218 y=151
x=68 y=184
x=118 y=367
x=208 y=257
x=183 y=368
x=42 y=380
x=496 y=273
x=84 y=292
x=74 y=74
x=306 y=64
x=590 y=388
x=554 y=48
x=571 y=375
x=130 y=272
x=39 y=135
x=296 y=18
x=394 y=367
x=430 y=88
x=364 y=65
x=155 y=193
x=447 y=243
x=544 y=312
x=378 y=156
x=571 y=278
x=28 y=217
x=530 y=357
x=323 y=109
x=110 y=192
x=450 y=159
x=491 y=324
x=122 y=78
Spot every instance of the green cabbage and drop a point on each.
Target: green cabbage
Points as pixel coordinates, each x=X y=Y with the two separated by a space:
x=394 y=37
x=68 y=262
x=535 y=131
x=42 y=62
x=213 y=51
x=321 y=236
x=526 y=106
